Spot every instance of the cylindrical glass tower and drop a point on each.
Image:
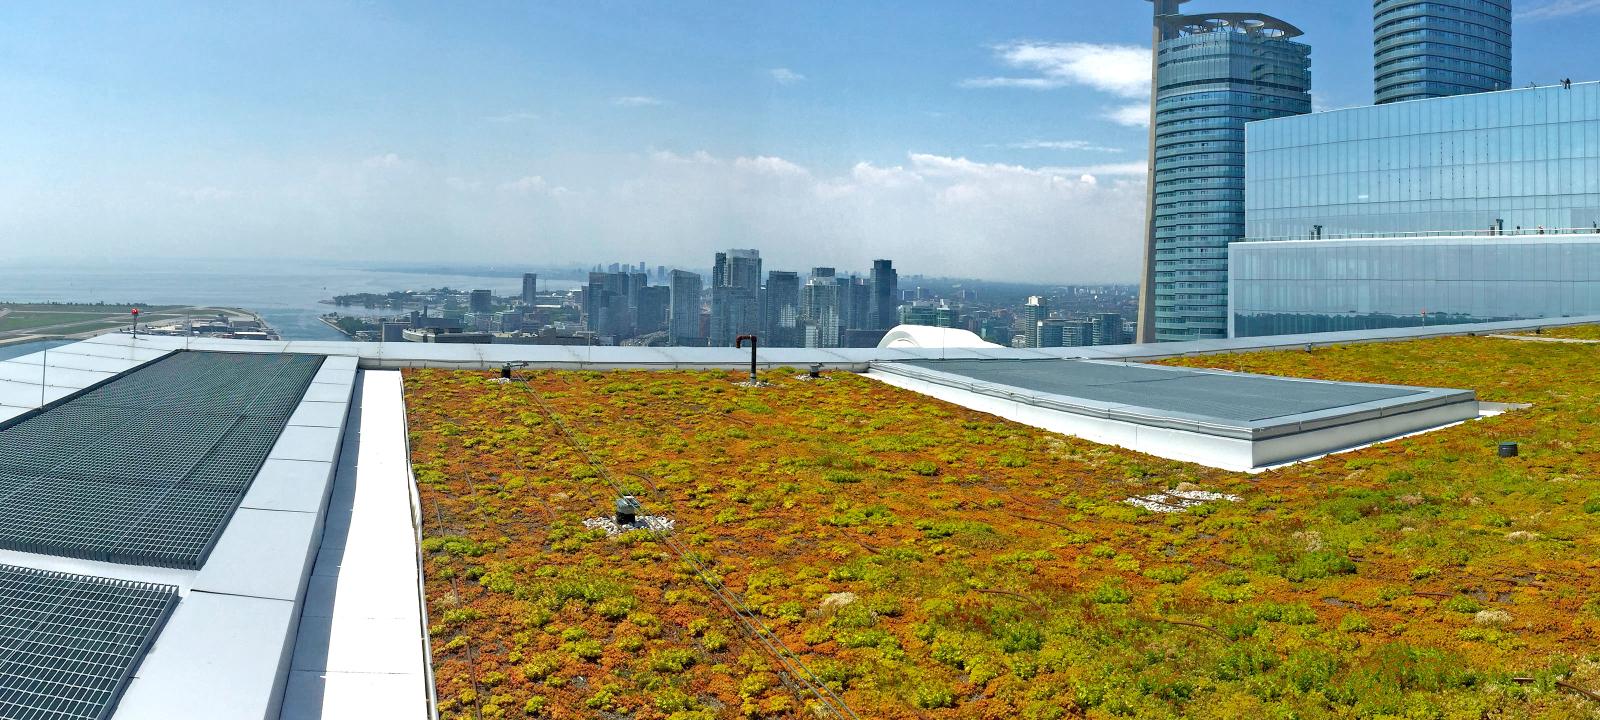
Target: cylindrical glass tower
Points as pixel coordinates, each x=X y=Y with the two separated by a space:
x=1214 y=73
x=1435 y=48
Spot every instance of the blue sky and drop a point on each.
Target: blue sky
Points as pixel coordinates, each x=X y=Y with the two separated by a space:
x=957 y=137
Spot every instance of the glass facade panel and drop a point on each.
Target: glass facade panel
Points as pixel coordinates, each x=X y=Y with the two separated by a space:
x=1456 y=165
x=1279 y=288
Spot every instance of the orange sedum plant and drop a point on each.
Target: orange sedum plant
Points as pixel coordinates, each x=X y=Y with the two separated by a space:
x=924 y=560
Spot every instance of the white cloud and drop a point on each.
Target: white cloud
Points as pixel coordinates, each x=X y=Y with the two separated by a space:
x=1559 y=9
x=386 y=161
x=771 y=165
x=1084 y=145
x=635 y=101
x=525 y=184
x=207 y=193
x=785 y=76
x=1134 y=115
x=1127 y=169
x=1122 y=70
x=463 y=185
x=513 y=117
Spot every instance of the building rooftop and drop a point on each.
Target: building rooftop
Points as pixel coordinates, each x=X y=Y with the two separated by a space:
x=907 y=557
x=834 y=546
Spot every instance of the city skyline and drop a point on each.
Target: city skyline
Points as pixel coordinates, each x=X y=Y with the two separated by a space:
x=975 y=139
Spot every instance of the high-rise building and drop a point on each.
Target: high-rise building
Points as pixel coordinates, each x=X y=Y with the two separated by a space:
x=855 y=304
x=482 y=301
x=1077 y=333
x=1050 y=332
x=1107 y=329
x=605 y=304
x=1034 y=313
x=735 y=296
x=1470 y=208
x=737 y=268
x=530 y=288
x=1436 y=48
x=885 y=294
x=781 y=310
x=636 y=286
x=684 y=289
x=1212 y=74
x=819 y=308
x=650 y=310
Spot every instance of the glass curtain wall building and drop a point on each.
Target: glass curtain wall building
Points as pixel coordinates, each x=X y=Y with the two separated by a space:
x=1213 y=73
x=1460 y=209
x=1436 y=48
x=1456 y=165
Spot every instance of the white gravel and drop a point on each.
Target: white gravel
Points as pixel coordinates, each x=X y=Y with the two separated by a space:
x=642 y=522
x=1177 y=500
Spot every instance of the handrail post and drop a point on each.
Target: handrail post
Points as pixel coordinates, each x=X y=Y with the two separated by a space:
x=738 y=342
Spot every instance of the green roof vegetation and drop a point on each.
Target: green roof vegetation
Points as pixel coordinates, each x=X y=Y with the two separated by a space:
x=924 y=560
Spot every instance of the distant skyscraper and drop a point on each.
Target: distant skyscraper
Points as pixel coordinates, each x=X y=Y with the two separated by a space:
x=637 y=283
x=885 y=294
x=684 y=287
x=1434 y=48
x=781 y=310
x=605 y=303
x=530 y=286
x=1213 y=73
x=1050 y=332
x=819 y=307
x=1034 y=313
x=1077 y=333
x=735 y=296
x=1107 y=329
x=482 y=301
x=855 y=304
x=650 y=309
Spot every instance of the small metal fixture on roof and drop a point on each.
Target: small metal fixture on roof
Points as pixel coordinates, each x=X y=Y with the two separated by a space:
x=505 y=370
x=627 y=509
x=1508 y=449
x=815 y=371
x=628 y=519
x=738 y=342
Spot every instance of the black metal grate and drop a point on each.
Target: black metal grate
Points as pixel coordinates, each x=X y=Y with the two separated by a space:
x=147 y=469
x=69 y=643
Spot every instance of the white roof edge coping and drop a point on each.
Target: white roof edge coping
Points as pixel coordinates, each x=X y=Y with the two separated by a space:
x=64 y=374
x=395 y=356
x=226 y=652
x=362 y=647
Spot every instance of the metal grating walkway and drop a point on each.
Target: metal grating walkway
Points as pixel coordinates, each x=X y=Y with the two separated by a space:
x=69 y=643
x=147 y=468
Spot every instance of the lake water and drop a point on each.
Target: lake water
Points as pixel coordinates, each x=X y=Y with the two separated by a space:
x=286 y=295
x=18 y=350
